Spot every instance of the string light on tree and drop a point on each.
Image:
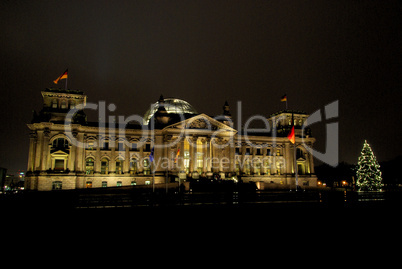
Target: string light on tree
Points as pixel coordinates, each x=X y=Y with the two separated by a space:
x=368 y=170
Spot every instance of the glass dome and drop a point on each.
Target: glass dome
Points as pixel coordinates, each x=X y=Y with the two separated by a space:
x=172 y=105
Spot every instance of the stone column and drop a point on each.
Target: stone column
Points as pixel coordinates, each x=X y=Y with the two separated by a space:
x=253 y=161
x=71 y=158
x=243 y=159
x=181 y=155
x=232 y=165
x=80 y=154
x=140 y=163
x=191 y=145
x=126 y=167
x=32 y=147
x=204 y=155
x=194 y=157
x=45 y=150
x=97 y=164
x=208 y=154
x=288 y=159
x=311 y=163
x=38 y=153
x=112 y=163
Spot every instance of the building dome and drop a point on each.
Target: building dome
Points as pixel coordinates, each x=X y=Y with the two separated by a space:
x=172 y=105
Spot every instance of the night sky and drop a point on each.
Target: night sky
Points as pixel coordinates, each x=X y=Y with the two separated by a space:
x=206 y=52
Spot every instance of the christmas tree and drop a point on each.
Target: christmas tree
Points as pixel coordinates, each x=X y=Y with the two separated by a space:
x=368 y=171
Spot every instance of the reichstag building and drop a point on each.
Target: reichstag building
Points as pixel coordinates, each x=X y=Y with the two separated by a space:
x=172 y=142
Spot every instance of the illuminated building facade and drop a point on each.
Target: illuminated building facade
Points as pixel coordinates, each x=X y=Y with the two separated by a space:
x=68 y=152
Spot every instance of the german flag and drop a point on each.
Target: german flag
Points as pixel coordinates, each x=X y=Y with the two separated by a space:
x=284 y=98
x=291 y=135
x=63 y=76
x=177 y=155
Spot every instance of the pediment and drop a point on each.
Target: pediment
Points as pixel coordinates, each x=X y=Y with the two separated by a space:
x=59 y=153
x=201 y=122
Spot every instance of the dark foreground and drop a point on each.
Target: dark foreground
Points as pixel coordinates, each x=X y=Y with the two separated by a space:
x=127 y=198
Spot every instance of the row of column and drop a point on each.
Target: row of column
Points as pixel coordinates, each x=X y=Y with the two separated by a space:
x=212 y=155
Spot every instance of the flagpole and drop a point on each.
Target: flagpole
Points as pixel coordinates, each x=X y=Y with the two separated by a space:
x=66 y=82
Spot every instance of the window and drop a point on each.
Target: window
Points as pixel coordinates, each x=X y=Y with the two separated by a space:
x=247 y=169
x=63 y=104
x=133 y=183
x=247 y=151
x=118 y=184
x=237 y=152
x=134 y=147
x=147 y=182
x=104 y=184
x=54 y=103
x=88 y=184
x=257 y=167
x=90 y=145
x=106 y=145
x=133 y=167
x=60 y=143
x=259 y=151
x=59 y=165
x=119 y=164
x=120 y=146
x=89 y=166
x=299 y=153
x=147 y=167
x=57 y=185
x=104 y=166
x=267 y=167
x=147 y=147
x=268 y=152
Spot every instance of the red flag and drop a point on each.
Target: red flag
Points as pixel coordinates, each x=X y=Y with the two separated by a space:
x=177 y=155
x=291 y=135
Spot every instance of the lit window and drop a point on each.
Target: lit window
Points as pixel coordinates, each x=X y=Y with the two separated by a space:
x=133 y=167
x=89 y=166
x=104 y=184
x=88 y=184
x=59 y=165
x=104 y=166
x=63 y=104
x=147 y=167
x=118 y=184
x=119 y=164
x=90 y=145
x=60 y=143
x=57 y=185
